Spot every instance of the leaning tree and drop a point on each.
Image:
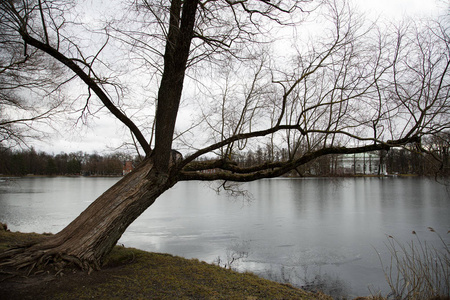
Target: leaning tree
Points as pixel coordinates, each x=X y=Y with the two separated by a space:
x=251 y=79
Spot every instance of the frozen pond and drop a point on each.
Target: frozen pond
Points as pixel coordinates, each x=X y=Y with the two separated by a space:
x=302 y=231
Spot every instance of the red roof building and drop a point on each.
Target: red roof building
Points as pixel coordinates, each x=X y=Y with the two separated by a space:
x=127 y=167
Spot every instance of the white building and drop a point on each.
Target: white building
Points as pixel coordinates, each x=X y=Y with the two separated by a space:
x=359 y=164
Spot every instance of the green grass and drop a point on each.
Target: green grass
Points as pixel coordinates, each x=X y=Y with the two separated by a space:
x=135 y=274
x=147 y=275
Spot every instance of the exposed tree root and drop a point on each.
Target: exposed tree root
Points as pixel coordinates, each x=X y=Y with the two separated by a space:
x=32 y=259
x=92 y=235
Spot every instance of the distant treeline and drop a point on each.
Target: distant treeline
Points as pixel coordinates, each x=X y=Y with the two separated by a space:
x=395 y=161
x=403 y=161
x=24 y=162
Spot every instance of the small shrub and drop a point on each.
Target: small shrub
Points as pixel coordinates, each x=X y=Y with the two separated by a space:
x=418 y=270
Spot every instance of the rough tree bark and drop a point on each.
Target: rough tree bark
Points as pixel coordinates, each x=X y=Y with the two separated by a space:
x=169 y=94
x=96 y=230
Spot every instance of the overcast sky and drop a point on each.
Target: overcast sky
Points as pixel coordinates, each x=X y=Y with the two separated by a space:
x=104 y=133
x=400 y=8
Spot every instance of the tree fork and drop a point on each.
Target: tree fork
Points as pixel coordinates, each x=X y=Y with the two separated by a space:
x=93 y=234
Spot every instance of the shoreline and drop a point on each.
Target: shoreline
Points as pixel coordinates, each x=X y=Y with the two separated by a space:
x=281 y=177
x=129 y=273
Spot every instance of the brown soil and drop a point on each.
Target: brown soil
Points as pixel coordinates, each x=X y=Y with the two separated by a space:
x=18 y=285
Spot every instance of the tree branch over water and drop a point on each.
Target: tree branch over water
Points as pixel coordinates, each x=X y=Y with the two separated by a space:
x=213 y=78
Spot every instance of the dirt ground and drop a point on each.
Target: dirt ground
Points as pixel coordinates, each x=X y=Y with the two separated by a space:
x=16 y=285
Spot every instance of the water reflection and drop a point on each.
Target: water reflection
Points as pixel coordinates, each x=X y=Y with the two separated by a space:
x=314 y=233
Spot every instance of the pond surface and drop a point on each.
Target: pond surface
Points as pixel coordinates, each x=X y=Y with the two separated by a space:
x=308 y=232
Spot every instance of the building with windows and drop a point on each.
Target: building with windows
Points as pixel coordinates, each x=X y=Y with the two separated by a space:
x=370 y=163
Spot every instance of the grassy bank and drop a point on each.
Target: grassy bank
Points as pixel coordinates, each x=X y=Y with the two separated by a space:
x=134 y=274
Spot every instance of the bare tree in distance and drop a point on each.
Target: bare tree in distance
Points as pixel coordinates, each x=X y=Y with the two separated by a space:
x=355 y=89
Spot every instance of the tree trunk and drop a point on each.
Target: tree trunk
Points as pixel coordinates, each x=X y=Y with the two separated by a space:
x=181 y=30
x=92 y=235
